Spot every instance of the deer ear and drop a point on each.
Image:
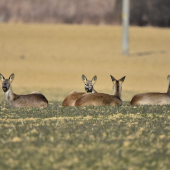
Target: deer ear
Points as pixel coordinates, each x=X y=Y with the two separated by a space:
x=94 y=79
x=2 y=77
x=122 y=79
x=11 y=77
x=113 y=79
x=84 y=78
x=168 y=78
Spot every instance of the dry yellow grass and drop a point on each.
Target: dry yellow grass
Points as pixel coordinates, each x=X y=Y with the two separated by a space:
x=52 y=58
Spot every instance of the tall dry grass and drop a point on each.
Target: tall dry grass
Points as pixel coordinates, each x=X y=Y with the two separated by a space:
x=52 y=58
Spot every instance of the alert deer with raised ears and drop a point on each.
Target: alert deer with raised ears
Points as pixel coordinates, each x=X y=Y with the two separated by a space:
x=152 y=98
x=35 y=99
x=74 y=95
x=102 y=99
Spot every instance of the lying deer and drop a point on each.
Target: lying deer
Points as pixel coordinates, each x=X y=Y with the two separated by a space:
x=101 y=99
x=34 y=99
x=74 y=95
x=153 y=98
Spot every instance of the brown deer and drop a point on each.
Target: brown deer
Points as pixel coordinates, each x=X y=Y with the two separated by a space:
x=152 y=98
x=74 y=95
x=101 y=99
x=35 y=99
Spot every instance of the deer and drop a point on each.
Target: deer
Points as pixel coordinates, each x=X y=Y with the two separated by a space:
x=74 y=95
x=34 y=99
x=152 y=98
x=102 y=99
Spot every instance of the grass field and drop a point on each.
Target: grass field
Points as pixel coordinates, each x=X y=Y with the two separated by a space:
x=52 y=58
x=125 y=137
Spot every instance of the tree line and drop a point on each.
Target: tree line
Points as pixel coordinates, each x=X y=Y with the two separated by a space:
x=142 y=13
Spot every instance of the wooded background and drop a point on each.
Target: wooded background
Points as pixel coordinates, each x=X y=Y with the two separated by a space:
x=142 y=13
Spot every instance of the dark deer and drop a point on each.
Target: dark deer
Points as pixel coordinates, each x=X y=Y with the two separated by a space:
x=35 y=99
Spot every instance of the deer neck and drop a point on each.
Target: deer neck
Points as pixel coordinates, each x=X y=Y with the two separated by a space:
x=117 y=90
x=9 y=95
x=94 y=91
x=168 y=92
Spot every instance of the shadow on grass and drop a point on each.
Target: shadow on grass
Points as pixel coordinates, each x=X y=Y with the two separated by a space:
x=139 y=54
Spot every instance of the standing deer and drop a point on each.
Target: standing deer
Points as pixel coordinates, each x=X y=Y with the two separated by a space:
x=35 y=99
x=101 y=99
x=74 y=95
x=153 y=98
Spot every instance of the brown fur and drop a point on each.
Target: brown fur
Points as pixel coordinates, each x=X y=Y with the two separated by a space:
x=71 y=98
x=154 y=98
x=29 y=100
x=98 y=99
x=101 y=99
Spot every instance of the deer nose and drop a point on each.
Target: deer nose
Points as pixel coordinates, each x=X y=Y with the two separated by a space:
x=4 y=89
x=86 y=88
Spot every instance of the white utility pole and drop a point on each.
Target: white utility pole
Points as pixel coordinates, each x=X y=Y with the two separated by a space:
x=125 y=25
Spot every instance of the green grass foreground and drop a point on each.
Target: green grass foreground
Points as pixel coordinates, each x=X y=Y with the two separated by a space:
x=85 y=138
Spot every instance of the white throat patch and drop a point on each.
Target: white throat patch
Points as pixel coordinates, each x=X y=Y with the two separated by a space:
x=7 y=94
